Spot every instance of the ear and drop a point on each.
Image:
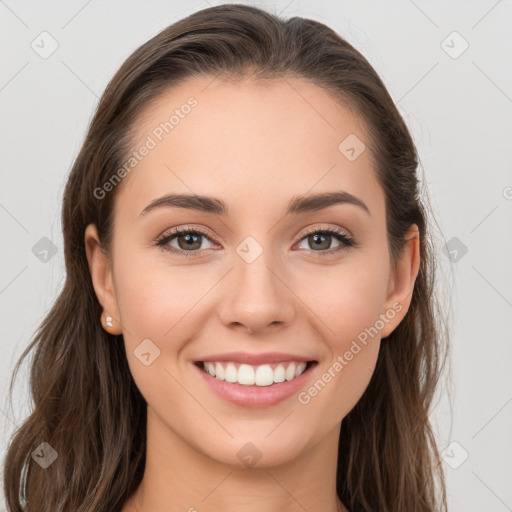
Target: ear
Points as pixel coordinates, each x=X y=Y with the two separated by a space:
x=401 y=281
x=102 y=279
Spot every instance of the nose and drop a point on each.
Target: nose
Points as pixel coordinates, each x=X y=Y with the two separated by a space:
x=256 y=296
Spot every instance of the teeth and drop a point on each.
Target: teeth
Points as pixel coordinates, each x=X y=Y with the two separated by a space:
x=290 y=372
x=248 y=375
x=264 y=375
x=219 y=371
x=279 y=374
x=231 y=374
x=210 y=368
x=300 y=368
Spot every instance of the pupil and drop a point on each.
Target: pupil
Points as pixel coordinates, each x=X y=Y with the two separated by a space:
x=318 y=240
x=190 y=240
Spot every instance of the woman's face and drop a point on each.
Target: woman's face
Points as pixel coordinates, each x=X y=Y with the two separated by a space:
x=261 y=278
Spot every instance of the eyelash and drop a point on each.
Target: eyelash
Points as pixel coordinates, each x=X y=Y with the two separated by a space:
x=346 y=241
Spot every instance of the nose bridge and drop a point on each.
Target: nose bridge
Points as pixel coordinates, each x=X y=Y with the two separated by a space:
x=256 y=277
x=256 y=296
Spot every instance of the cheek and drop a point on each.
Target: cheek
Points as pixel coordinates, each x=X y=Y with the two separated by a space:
x=348 y=301
x=156 y=300
x=347 y=298
x=159 y=303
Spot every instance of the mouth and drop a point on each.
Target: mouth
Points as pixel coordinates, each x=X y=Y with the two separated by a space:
x=255 y=386
x=264 y=375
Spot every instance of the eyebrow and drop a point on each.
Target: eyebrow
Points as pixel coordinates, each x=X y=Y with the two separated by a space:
x=298 y=204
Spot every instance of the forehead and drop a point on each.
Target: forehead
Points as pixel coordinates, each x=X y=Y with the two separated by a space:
x=244 y=140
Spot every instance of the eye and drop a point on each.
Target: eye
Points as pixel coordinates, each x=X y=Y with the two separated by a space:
x=189 y=241
x=321 y=239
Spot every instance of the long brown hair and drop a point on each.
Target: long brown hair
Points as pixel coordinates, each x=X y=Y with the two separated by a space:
x=86 y=404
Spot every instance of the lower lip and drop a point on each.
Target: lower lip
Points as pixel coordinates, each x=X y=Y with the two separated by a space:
x=256 y=396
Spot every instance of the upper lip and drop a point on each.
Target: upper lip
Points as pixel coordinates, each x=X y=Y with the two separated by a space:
x=254 y=359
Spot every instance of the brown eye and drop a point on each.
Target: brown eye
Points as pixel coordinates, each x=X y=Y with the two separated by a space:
x=188 y=241
x=321 y=240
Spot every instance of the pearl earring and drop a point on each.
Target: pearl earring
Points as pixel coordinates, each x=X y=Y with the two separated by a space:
x=108 y=321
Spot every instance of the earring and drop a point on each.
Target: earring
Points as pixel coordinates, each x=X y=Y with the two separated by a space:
x=108 y=321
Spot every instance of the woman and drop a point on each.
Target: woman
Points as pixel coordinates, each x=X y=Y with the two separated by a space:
x=248 y=320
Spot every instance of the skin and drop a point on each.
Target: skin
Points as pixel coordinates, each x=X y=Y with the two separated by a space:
x=253 y=145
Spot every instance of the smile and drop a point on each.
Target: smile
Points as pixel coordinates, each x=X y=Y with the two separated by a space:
x=250 y=375
x=247 y=385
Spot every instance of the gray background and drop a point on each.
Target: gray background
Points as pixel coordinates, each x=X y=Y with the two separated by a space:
x=457 y=105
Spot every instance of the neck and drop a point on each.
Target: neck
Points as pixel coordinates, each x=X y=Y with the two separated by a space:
x=179 y=478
